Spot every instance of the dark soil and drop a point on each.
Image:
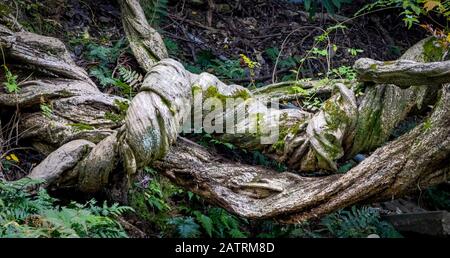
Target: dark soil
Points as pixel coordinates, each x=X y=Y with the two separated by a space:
x=237 y=27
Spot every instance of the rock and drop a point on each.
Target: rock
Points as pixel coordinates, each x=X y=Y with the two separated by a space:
x=431 y=223
x=359 y=158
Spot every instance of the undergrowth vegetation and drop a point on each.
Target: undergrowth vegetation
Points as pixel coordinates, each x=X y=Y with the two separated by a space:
x=173 y=212
x=25 y=212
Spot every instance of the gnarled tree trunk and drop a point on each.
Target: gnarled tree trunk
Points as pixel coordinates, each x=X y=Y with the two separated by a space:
x=90 y=151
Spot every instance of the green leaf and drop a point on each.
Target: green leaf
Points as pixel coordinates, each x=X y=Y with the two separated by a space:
x=228 y=145
x=11 y=85
x=205 y=221
x=186 y=227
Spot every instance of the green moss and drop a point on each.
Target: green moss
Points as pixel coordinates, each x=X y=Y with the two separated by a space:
x=332 y=147
x=369 y=131
x=323 y=83
x=373 y=66
x=122 y=105
x=243 y=94
x=81 y=127
x=336 y=116
x=117 y=117
x=427 y=124
x=169 y=105
x=213 y=92
x=196 y=89
x=284 y=131
x=114 y=117
x=432 y=52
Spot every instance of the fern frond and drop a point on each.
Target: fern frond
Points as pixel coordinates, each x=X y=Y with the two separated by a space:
x=132 y=78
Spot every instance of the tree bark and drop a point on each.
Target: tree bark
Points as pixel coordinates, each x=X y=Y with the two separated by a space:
x=106 y=151
x=403 y=73
x=412 y=162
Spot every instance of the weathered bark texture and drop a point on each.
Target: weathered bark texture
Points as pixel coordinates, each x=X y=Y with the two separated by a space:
x=412 y=162
x=403 y=73
x=145 y=42
x=88 y=150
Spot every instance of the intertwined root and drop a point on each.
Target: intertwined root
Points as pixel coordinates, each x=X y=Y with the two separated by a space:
x=87 y=150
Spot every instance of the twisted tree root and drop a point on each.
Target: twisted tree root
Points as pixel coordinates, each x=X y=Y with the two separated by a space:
x=90 y=159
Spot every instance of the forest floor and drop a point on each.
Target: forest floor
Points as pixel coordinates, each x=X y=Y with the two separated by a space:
x=279 y=36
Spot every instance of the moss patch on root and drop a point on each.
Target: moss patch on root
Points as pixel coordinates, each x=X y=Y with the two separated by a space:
x=432 y=52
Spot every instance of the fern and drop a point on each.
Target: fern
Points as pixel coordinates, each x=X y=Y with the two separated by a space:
x=46 y=110
x=186 y=227
x=155 y=10
x=106 y=57
x=132 y=78
x=205 y=221
x=357 y=223
x=23 y=214
x=225 y=224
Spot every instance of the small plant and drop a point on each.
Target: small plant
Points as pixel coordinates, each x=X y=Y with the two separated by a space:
x=129 y=81
x=354 y=51
x=172 y=47
x=46 y=110
x=427 y=124
x=106 y=58
x=186 y=227
x=345 y=72
x=413 y=10
x=319 y=52
x=251 y=66
x=263 y=160
x=313 y=103
x=10 y=84
x=216 y=222
x=357 y=223
x=287 y=62
x=154 y=192
x=230 y=69
x=132 y=78
x=207 y=140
